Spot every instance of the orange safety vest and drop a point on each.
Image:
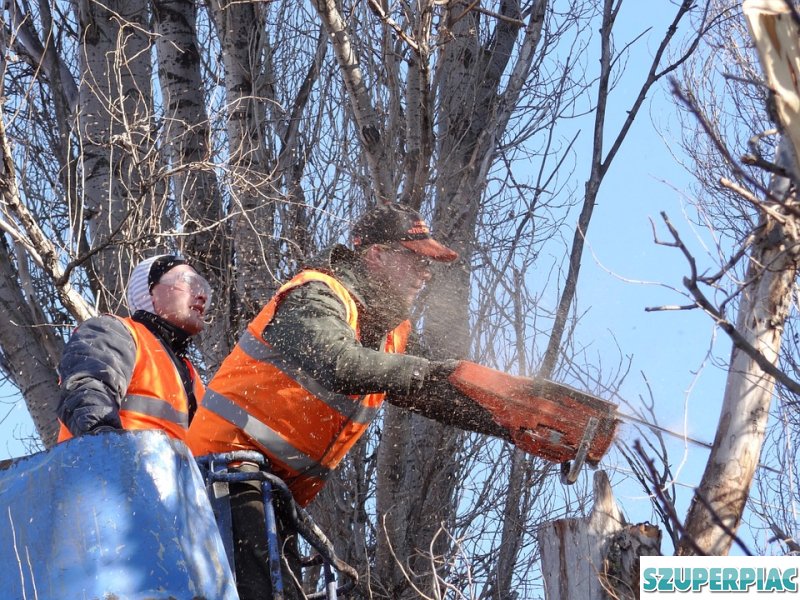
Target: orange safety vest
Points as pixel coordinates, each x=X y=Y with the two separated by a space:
x=155 y=398
x=260 y=401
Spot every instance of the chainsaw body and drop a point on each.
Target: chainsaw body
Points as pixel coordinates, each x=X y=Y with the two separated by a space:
x=546 y=419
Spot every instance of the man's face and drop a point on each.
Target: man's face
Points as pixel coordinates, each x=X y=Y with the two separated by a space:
x=181 y=297
x=401 y=272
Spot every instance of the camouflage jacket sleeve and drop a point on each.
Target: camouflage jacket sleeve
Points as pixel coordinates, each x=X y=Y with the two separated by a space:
x=310 y=329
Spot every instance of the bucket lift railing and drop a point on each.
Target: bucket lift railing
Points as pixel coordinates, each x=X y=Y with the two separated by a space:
x=217 y=474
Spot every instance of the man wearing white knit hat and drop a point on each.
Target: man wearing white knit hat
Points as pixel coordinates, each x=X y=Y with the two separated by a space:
x=133 y=372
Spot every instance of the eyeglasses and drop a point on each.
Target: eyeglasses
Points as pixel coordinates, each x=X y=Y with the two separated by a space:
x=193 y=283
x=419 y=260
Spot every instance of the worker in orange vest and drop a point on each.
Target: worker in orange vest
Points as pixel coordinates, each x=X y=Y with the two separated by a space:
x=133 y=372
x=312 y=369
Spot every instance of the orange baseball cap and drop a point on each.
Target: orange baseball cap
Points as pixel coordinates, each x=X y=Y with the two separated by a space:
x=390 y=223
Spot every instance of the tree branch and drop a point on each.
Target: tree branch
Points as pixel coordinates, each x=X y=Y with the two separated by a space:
x=369 y=128
x=729 y=328
x=667 y=507
x=41 y=250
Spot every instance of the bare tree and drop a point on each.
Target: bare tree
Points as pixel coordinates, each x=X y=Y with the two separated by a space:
x=188 y=158
x=106 y=173
x=751 y=202
x=118 y=155
x=461 y=127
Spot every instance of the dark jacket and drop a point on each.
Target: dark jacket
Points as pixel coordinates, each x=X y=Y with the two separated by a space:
x=97 y=364
x=310 y=329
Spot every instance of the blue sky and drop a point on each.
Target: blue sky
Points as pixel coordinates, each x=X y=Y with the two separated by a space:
x=625 y=272
x=15 y=423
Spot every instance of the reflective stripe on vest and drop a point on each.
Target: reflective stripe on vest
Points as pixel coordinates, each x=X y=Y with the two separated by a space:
x=262 y=400
x=268 y=438
x=156 y=397
x=153 y=407
x=352 y=408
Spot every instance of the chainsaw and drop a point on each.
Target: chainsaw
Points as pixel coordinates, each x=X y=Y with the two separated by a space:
x=546 y=419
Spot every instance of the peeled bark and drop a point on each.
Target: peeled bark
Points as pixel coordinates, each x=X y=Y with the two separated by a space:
x=776 y=33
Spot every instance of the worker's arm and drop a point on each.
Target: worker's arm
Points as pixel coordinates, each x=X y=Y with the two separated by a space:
x=437 y=399
x=96 y=368
x=310 y=329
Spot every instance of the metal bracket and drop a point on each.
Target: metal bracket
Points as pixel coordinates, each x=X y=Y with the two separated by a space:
x=571 y=469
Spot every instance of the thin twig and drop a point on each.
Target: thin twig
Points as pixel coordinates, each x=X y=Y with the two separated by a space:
x=666 y=504
x=690 y=283
x=499 y=17
x=757 y=204
x=690 y=104
x=790 y=542
x=379 y=12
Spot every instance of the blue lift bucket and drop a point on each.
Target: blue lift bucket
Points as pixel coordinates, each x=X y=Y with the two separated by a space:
x=115 y=515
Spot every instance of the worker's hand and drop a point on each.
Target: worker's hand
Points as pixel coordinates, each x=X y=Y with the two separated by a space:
x=434 y=380
x=103 y=429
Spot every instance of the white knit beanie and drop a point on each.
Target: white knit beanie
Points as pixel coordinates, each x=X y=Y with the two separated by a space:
x=139 y=284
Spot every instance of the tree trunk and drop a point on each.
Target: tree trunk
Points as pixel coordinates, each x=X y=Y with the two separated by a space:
x=519 y=489
x=716 y=510
x=187 y=138
x=116 y=128
x=370 y=129
x=776 y=33
x=253 y=183
x=595 y=557
x=417 y=465
x=30 y=349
